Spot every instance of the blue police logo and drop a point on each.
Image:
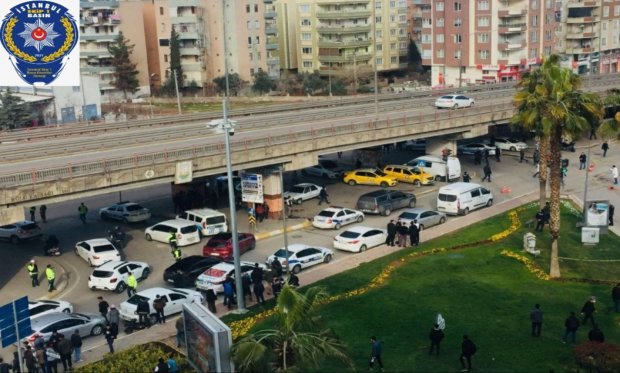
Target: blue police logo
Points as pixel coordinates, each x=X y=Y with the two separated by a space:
x=39 y=36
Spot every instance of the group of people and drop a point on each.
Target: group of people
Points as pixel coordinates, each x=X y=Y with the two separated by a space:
x=404 y=233
x=45 y=356
x=33 y=273
x=42 y=212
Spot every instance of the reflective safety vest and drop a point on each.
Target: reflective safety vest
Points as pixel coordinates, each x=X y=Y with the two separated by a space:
x=132 y=282
x=176 y=253
x=32 y=269
x=172 y=238
x=50 y=273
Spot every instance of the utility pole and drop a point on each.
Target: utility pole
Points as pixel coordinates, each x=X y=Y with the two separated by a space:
x=374 y=56
x=176 y=87
x=460 y=65
x=354 y=70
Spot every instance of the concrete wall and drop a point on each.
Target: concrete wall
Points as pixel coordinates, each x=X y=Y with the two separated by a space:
x=87 y=93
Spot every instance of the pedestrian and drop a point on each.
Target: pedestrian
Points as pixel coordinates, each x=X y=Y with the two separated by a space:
x=103 y=308
x=257 y=274
x=229 y=292
x=33 y=272
x=4 y=367
x=588 y=310
x=43 y=213
x=466 y=177
x=172 y=364
x=109 y=338
x=486 y=155
x=323 y=196
x=260 y=212
x=51 y=359
x=436 y=336
x=468 y=349
x=276 y=268
x=487 y=172
x=266 y=211
x=414 y=233
x=30 y=359
x=571 y=324
x=176 y=254
x=276 y=286
x=159 y=304
x=246 y=283
x=391 y=233
x=537 y=170
x=114 y=318
x=143 y=308
x=582 y=161
x=39 y=353
x=614 y=174
x=375 y=353
x=596 y=335
x=498 y=153
x=605 y=148
x=65 y=350
x=33 y=211
x=259 y=291
x=521 y=155
x=132 y=284
x=180 y=327
x=50 y=273
x=339 y=154
x=547 y=213
x=612 y=208
x=536 y=317
x=477 y=157
x=536 y=156
x=593 y=133
x=172 y=241
x=403 y=232
x=76 y=344
x=161 y=367
x=540 y=221
x=358 y=163
x=82 y=210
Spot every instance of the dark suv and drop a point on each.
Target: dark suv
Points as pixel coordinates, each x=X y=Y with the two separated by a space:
x=385 y=201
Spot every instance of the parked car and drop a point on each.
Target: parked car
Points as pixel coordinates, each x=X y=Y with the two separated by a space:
x=369 y=176
x=187 y=270
x=326 y=169
x=509 y=143
x=454 y=101
x=385 y=201
x=112 y=276
x=221 y=246
x=359 y=238
x=461 y=198
x=300 y=256
x=473 y=147
x=409 y=174
x=335 y=217
x=216 y=275
x=38 y=308
x=302 y=192
x=175 y=299
x=185 y=230
x=127 y=212
x=20 y=231
x=425 y=218
x=97 y=251
x=65 y=323
x=441 y=169
x=208 y=221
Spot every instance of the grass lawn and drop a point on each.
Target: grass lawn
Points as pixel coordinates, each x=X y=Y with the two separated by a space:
x=479 y=292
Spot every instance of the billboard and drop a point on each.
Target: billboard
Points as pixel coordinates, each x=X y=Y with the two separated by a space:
x=252 y=188
x=208 y=340
x=597 y=214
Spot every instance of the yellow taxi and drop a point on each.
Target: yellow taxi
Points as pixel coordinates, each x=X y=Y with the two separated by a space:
x=369 y=176
x=409 y=174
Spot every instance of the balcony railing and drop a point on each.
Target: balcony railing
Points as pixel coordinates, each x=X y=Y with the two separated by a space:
x=343 y=14
x=577 y=20
x=582 y=35
x=578 y=50
x=343 y=29
x=190 y=51
x=272 y=46
x=353 y=43
x=98 y=37
x=583 y=4
x=511 y=29
x=511 y=46
x=507 y=13
x=359 y=57
x=270 y=14
x=99 y=4
x=189 y=35
x=271 y=30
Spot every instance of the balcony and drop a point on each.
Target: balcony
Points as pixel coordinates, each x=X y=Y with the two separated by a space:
x=578 y=50
x=271 y=30
x=510 y=46
x=343 y=2
x=190 y=51
x=99 y=4
x=344 y=44
x=511 y=29
x=583 y=4
x=185 y=19
x=349 y=58
x=186 y=3
x=270 y=14
x=96 y=53
x=98 y=37
x=342 y=29
x=509 y=13
x=273 y=60
x=272 y=46
x=189 y=35
x=343 y=14
x=193 y=66
x=582 y=35
x=578 y=20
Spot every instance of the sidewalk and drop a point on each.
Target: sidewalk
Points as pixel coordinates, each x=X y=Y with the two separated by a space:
x=20 y=283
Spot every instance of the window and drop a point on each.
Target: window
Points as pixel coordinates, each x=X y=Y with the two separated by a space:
x=533 y=52
x=427 y=53
x=548 y=19
x=548 y=4
x=483 y=38
x=483 y=54
x=304 y=8
x=548 y=35
x=76 y=88
x=427 y=22
x=378 y=4
x=393 y=19
x=403 y=45
x=306 y=22
x=379 y=47
x=392 y=4
x=402 y=18
x=255 y=8
x=534 y=20
x=457 y=38
x=161 y=10
x=306 y=36
x=379 y=61
x=439 y=38
x=617 y=10
x=547 y=51
x=307 y=64
x=604 y=41
x=439 y=6
x=440 y=22
x=457 y=22
x=258 y=40
x=306 y=50
x=483 y=21
x=605 y=11
x=441 y=53
x=378 y=19
x=392 y=46
x=457 y=6
x=534 y=4
x=393 y=32
x=162 y=27
x=251 y=56
x=604 y=26
x=379 y=34
x=165 y=58
x=249 y=40
x=393 y=60
x=534 y=36
x=457 y=55
x=483 y=5
x=247 y=8
x=426 y=38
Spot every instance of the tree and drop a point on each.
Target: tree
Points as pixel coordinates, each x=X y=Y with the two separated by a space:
x=611 y=127
x=550 y=102
x=263 y=83
x=312 y=83
x=338 y=87
x=234 y=83
x=125 y=72
x=414 y=58
x=298 y=339
x=175 y=65
x=14 y=112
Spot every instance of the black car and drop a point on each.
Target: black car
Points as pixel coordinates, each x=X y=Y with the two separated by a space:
x=184 y=272
x=385 y=201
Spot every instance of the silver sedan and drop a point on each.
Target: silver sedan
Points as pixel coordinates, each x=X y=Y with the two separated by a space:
x=66 y=323
x=425 y=218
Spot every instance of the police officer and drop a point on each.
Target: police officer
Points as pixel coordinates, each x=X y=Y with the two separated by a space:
x=466 y=177
x=176 y=253
x=33 y=272
x=51 y=277
x=132 y=284
x=32 y=213
x=172 y=240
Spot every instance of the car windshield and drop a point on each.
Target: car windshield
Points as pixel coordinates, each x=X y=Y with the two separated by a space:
x=134 y=208
x=379 y=173
x=137 y=299
x=409 y=215
x=102 y=274
x=297 y=189
x=189 y=229
x=446 y=197
x=326 y=213
x=282 y=253
x=512 y=140
x=349 y=234
x=216 y=220
x=103 y=248
x=447 y=97
x=329 y=164
x=216 y=243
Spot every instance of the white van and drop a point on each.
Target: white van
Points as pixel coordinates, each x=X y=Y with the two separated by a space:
x=186 y=232
x=461 y=198
x=208 y=221
x=439 y=168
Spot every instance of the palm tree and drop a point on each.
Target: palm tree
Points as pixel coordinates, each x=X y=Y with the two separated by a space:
x=611 y=127
x=298 y=339
x=561 y=110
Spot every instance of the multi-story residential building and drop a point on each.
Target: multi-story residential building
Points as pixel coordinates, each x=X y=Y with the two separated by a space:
x=343 y=36
x=467 y=42
x=589 y=35
x=414 y=22
x=100 y=24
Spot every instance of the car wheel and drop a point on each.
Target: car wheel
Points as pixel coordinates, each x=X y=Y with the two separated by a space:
x=145 y=274
x=90 y=264
x=252 y=246
x=363 y=248
x=121 y=287
x=442 y=220
x=412 y=203
x=421 y=228
x=148 y=237
x=66 y=310
x=417 y=183
x=103 y=216
x=360 y=219
x=15 y=240
x=438 y=178
x=328 y=258
x=296 y=269
x=383 y=184
x=153 y=319
x=490 y=203
x=337 y=226
x=456 y=106
x=96 y=330
x=299 y=201
x=466 y=211
x=352 y=182
x=387 y=211
x=513 y=149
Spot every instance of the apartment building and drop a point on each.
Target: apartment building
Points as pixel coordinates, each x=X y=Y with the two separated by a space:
x=481 y=41
x=414 y=22
x=342 y=36
x=100 y=23
x=588 y=35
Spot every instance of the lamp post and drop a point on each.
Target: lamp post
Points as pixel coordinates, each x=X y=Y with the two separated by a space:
x=460 y=65
x=176 y=87
x=284 y=217
x=374 y=57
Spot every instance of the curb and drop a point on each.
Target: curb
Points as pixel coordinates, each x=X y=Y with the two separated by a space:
x=63 y=276
x=262 y=236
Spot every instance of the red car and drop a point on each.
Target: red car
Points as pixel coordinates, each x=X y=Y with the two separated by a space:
x=220 y=245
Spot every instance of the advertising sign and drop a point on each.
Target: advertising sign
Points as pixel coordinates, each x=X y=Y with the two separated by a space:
x=208 y=340
x=252 y=188
x=183 y=172
x=597 y=214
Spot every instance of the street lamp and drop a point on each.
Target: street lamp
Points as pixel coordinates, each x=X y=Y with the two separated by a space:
x=176 y=87
x=374 y=57
x=280 y=172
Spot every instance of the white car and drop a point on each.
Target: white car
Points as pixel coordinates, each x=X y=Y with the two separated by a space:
x=359 y=238
x=473 y=147
x=97 y=251
x=508 y=143
x=301 y=256
x=216 y=275
x=43 y=307
x=454 y=101
x=175 y=298
x=336 y=217
x=302 y=192
x=127 y=212
x=326 y=168
x=20 y=231
x=113 y=275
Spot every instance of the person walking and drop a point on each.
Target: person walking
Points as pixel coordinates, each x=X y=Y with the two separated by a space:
x=571 y=324
x=521 y=155
x=32 y=211
x=143 y=308
x=536 y=317
x=180 y=327
x=176 y=254
x=536 y=156
x=132 y=284
x=103 y=308
x=76 y=344
x=498 y=153
x=375 y=354
x=51 y=359
x=30 y=359
x=109 y=338
x=50 y=273
x=596 y=335
x=466 y=177
x=211 y=297
x=229 y=292
x=260 y=212
x=323 y=196
x=159 y=304
x=43 y=213
x=477 y=157
x=414 y=233
x=540 y=221
x=436 y=336
x=537 y=172
x=605 y=148
x=486 y=155
x=39 y=353
x=614 y=174
x=582 y=161
x=33 y=272
x=468 y=349
x=114 y=318
x=82 y=210
x=612 y=208
x=172 y=241
x=391 y=233
x=65 y=350
x=588 y=310
x=487 y=172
